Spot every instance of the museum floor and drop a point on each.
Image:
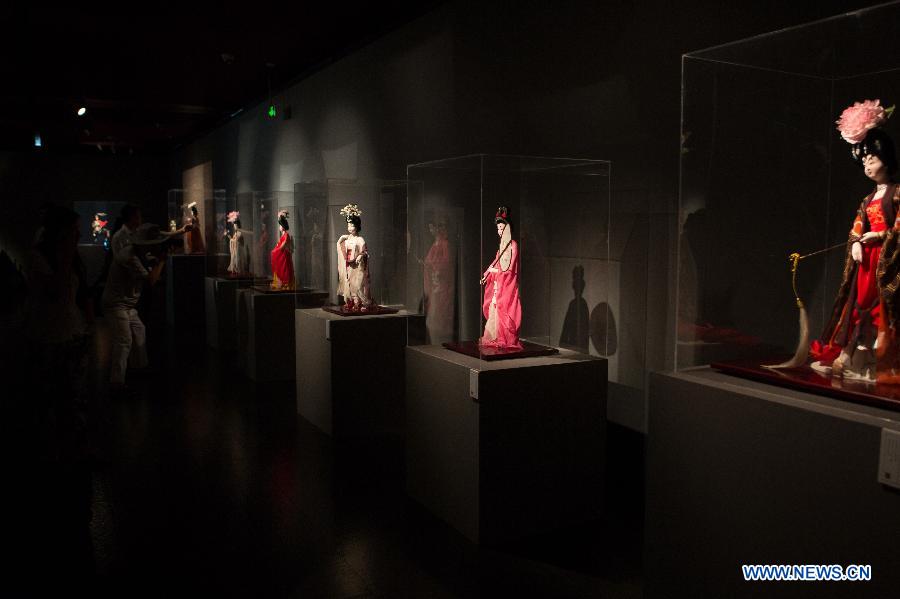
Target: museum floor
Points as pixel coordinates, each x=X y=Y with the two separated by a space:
x=210 y=485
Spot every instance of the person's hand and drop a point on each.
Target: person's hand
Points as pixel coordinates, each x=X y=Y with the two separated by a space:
x=481 y=282
x=870 y=237
x=856 y=251
x=359 y=259
x=342 y=238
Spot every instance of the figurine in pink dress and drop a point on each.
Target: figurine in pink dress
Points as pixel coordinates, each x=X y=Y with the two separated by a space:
x=501 y=305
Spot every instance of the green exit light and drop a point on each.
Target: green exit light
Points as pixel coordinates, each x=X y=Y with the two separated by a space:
x=272 y=111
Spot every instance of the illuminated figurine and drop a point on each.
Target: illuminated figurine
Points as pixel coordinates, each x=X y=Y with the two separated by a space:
x=282 y=256
x=353 y=264
x=239 y=263
x=193 y=240
x=862 y=328
x=501 y=305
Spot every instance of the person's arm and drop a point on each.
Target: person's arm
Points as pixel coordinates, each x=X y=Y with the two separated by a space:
x=156 y=272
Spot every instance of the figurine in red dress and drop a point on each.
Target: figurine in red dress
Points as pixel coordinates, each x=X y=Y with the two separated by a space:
x=193 y=239
x=283 y=256
x=865 y=314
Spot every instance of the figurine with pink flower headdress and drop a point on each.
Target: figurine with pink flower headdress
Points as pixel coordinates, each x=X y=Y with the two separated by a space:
x=239 y=266
x=860 y=338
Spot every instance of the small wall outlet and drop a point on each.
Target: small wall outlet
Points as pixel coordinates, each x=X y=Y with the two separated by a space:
x=889 y=458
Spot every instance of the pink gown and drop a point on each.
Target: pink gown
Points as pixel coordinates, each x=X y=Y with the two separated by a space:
x=502 y=288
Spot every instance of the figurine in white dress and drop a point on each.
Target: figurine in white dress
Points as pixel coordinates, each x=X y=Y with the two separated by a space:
x=353 y=264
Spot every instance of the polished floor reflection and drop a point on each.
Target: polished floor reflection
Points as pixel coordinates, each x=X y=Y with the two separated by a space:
x=209 y=485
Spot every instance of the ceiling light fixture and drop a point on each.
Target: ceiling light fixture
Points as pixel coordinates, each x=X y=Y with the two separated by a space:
x=37 y=141
x=82 y=110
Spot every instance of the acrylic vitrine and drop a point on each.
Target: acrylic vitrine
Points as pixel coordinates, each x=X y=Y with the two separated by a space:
x=97 y=221
x=273 y=242
x=236 y=235
x=195 y=209
x=219 y=261
x=764 y=175
x=378 y=207
x=96 y=226
x=556 y=245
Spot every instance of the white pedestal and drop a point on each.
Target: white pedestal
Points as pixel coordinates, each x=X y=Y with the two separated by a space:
x=507 y=448
x=350 y=372
x=221 y=311
x=741 y=472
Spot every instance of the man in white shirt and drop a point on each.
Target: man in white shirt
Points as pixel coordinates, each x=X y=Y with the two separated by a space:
x=133 y=265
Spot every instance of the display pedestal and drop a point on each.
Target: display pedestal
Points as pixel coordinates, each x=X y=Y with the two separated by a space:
x=350 y=372
x=509 y=448
x=742 y=472
x=266 y=346
x=185 y=306
x=221 y=311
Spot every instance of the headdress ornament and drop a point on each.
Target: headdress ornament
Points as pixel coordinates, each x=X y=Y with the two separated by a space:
x=351 y=210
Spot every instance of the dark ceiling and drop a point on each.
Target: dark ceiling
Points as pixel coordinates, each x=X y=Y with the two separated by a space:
x=153 y=76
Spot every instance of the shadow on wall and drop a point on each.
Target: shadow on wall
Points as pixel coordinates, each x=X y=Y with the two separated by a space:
x=603 y=330
x=581 y=326
x=575 y=333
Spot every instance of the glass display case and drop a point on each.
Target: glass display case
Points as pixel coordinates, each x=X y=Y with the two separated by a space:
x=97 y=221
x=506 y=247
x=227 y=253
x=235 y=234
x=273 y=239
x=769 y=192
x=97 y=224
x=379 y=209
x=197 y=208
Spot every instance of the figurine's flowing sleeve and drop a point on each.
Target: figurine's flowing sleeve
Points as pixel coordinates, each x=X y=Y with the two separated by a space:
x=363 y=248
x=896 y=202
x=342 y=265
x=889 y=270
x=856 y=230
